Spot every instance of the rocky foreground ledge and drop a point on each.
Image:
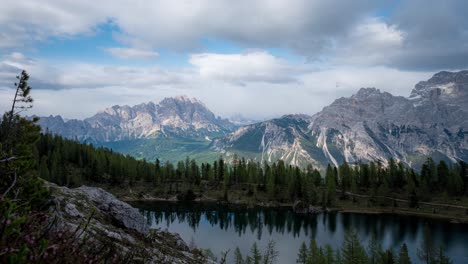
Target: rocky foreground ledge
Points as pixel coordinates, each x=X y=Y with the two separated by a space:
x=101 y=220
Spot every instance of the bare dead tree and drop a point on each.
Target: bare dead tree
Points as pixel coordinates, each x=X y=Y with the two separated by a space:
x=21 y=96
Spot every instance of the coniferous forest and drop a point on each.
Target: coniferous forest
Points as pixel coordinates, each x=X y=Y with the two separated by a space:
x=71 y=163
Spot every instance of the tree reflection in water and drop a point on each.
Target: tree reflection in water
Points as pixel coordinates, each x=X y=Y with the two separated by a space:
x=326 y=228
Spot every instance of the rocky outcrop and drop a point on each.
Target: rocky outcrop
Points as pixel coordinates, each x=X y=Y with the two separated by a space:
x=122 y=213
x=102 y=220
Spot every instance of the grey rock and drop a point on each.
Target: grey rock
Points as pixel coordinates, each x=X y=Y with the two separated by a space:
x=72 y=210
x=121 y=212
x=98 y=216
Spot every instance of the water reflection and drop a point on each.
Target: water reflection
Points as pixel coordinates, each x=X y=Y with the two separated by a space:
x=219 y=227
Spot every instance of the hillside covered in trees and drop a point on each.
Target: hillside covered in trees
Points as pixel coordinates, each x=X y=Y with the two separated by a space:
x=70 y=163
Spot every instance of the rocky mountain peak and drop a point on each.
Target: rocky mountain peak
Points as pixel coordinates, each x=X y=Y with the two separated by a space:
x=445 y=83
x=366 y=92
x=175 y=116
x=185 y=98
x=182 y=100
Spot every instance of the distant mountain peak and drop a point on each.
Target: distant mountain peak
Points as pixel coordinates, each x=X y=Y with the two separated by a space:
x=185 y=98
x=444 y=82
x=366 y=92
x=370 y=125
x=176 y=116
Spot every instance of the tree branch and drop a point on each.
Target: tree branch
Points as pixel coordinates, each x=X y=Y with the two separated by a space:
x=9 y=188
x=8 y=159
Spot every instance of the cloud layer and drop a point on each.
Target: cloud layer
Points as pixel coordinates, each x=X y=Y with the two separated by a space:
x=132 y=53
x=295 y=56
x=258 y=85
x=416 y=34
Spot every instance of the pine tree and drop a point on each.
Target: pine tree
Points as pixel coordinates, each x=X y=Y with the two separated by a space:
x=403 y=257
x=157 y=172
x=387 y=257
x=441 y=257
x=442 y=174
x=313 y=251
x=374 y=250
x=330 y=256
x=271 y=254
x=43 y=169
x=352 y=250
x=302 y=257
x=455 y=182
x=427 y=251
x=345 y=178
x=331 y=185
x=238 y=259
x=255 y=256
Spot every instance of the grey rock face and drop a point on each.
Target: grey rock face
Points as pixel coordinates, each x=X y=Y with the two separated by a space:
x=179 y=116
x=69 y=201
x=122 y=213
x=101 y=218
x=368 y=126
x=270 y=140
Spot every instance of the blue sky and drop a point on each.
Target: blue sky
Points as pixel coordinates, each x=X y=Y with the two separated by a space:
x=247 y=57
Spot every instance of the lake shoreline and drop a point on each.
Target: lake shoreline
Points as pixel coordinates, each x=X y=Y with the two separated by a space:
x=353 y=210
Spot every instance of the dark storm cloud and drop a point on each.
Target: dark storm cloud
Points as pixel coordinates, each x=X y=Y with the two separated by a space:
x=435 y=34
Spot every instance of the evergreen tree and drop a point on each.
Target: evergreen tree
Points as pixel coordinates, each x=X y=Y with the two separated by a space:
x=455 y=182
x=345 y=178
x=352 y=250
x=374 y=250
x=43 y=169
x=303 y=256
x=403 y=257
x=442 y=175
x=331 y=185
x=313 y=251
x=271 y=254
x=387 y=257
x=441 y=257
x=256 y=256
x=238 y=259
x=329 y=254
x=427 y=251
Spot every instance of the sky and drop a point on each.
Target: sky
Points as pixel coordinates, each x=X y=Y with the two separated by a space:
x=259 y=59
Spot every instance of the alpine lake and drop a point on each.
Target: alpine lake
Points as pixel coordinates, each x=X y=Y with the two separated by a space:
x=224 y=227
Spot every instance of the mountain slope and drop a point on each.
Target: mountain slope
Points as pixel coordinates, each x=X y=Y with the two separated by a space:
x=171 y=129
x=179 y=116
x=370 y=125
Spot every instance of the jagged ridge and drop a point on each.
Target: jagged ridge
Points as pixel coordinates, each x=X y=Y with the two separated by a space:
x=179 y=116
x=368 y=126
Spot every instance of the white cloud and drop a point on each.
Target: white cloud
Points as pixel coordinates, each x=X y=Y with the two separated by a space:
x=304 y=25
x=255 y=66
x=340 y=31
x=132 y=53
x=78 y=90
x=23 y=22
x=372 y=42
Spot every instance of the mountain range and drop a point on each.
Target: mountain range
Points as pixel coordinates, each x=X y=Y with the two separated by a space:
x=368 y=126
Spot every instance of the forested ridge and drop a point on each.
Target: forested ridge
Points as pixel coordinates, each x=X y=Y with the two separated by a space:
x=70 y=163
